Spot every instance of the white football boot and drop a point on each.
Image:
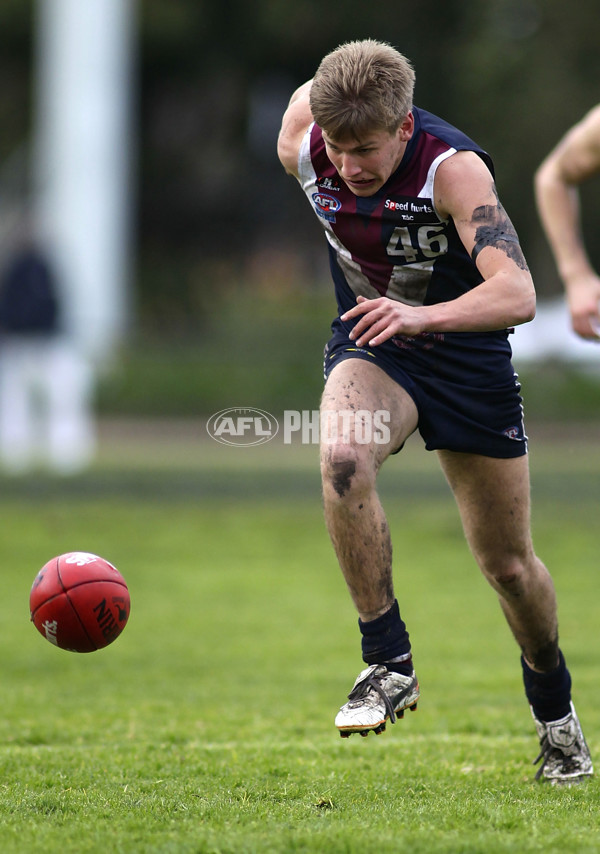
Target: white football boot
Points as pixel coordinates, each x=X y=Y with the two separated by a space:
x=378 y=695
x=565 y=754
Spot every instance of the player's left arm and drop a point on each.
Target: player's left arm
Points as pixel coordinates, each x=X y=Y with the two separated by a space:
x=465 y=191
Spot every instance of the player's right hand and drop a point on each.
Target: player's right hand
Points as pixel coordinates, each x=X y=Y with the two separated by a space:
x=583 y=297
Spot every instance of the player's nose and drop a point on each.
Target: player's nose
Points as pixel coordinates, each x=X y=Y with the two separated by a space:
x=349 y=166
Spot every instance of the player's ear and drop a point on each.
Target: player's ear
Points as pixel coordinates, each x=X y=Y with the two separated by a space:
x=407 y=127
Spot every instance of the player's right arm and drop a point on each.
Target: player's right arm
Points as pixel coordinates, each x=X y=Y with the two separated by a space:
x=296 y=121
x=575 y=159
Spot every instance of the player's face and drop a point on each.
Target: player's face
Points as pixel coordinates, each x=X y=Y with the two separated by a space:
x=365 y=164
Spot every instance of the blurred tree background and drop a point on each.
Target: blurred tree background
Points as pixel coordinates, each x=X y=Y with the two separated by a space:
x=231 y=289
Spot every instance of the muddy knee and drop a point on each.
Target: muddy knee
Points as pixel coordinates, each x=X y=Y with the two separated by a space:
x=345 y=471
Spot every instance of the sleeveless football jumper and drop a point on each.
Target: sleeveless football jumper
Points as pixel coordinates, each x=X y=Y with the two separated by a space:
x=394 y=244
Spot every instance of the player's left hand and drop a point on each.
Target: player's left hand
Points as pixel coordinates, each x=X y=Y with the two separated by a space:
x=382 y=318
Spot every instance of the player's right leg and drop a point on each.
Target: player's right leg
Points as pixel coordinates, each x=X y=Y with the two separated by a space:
x=359 y=393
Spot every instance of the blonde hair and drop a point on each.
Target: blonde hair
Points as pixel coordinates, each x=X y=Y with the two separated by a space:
x=361 y=87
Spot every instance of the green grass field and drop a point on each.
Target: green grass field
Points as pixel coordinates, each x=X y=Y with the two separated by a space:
x=208 y=725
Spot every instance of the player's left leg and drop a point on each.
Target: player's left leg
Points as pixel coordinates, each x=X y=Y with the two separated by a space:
x=493 y=500
x=493 y=497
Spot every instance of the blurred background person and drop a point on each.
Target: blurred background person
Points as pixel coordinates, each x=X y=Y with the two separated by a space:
x=575 y=159
x=45 y=385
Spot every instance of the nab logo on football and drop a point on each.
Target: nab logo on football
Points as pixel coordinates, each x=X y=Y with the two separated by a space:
x=242 y=426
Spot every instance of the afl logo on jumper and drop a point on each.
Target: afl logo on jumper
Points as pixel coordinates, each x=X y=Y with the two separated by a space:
x=326 y=206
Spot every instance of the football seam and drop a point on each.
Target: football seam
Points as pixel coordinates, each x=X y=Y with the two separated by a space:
x=79 y=620
x=72 y=606
x=72 y=587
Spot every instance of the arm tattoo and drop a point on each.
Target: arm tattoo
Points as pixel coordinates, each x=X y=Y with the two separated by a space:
x=494 y=228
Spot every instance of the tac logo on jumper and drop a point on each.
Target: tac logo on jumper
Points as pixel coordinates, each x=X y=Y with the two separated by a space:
x=326 y=206
x=409 y=209
x=241 y=426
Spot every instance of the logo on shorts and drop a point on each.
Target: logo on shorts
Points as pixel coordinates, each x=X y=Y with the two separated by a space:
x=511 y=433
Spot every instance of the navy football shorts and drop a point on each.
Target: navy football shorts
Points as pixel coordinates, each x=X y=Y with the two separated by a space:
x=463 y=385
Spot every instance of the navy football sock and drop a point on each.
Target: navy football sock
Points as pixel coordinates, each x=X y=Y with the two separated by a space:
x=386 y=641
x=549 y=694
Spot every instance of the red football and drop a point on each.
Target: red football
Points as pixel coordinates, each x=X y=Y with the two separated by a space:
x=79 y=602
